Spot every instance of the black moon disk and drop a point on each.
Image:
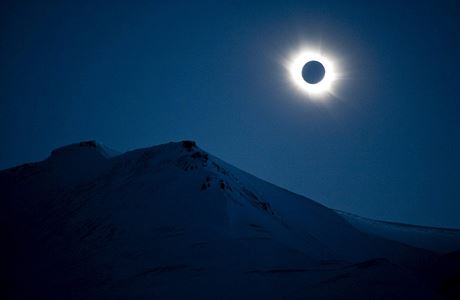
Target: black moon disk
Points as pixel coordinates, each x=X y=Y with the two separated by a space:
x=313 y=72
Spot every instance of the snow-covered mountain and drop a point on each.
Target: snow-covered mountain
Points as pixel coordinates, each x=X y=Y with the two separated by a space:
x=174 y=222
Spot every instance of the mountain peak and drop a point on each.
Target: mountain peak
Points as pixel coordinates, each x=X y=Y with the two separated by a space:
x=187 y=144
x=85 y=146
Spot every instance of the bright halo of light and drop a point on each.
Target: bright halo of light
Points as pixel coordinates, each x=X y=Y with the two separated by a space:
x=296 y=65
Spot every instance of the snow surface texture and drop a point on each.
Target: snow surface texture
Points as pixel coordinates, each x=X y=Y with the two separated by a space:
x=441 y=240
x=174 y=222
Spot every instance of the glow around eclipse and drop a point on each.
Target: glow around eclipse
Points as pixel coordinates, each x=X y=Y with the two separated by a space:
x=323 y=87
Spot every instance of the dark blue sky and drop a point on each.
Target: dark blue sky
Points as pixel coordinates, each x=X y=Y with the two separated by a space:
x=139 y=74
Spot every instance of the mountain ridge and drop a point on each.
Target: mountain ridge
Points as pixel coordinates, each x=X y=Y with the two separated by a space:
x=174 y=215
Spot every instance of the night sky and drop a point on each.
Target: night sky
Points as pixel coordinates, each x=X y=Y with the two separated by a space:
x=133 y=74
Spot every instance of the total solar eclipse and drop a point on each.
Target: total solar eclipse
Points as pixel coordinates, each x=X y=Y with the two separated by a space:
x=312 y=73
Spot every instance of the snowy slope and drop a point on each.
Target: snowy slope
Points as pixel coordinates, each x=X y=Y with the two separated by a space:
x=442 y=240
x=174 y=222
